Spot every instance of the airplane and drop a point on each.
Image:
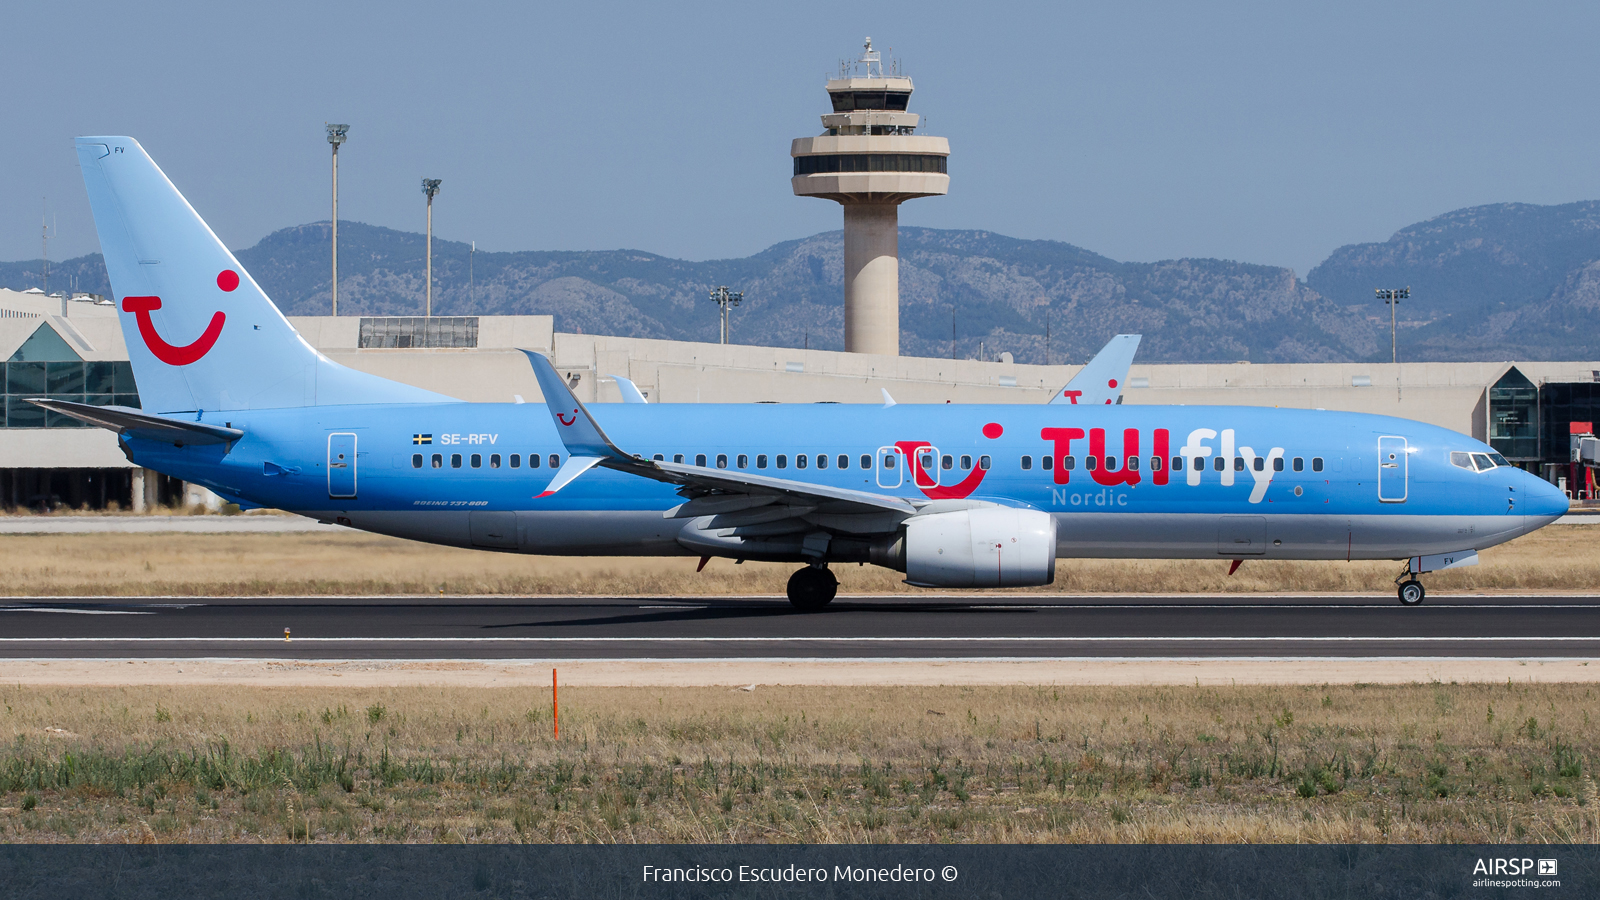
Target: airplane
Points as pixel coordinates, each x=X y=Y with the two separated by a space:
x=954 y=496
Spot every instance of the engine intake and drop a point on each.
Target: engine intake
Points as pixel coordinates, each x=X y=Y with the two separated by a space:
x=979 y=548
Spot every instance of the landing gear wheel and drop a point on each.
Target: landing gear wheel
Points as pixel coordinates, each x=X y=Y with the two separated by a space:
x=812 y=588
x=1411 y=593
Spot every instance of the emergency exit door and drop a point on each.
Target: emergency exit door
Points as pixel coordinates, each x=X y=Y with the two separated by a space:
x=341 y=465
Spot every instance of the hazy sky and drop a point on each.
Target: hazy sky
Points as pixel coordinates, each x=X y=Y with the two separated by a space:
x=1268 y=132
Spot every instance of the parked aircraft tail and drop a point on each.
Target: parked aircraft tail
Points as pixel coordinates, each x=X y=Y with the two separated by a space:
x=201 y=334
x=1102 y=380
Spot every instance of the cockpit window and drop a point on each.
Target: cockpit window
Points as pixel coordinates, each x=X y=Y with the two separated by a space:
x=1483 y=461
x=1461 y=459
x=1499 y=460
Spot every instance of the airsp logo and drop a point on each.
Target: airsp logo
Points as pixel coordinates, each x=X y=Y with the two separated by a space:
x=1547 y=867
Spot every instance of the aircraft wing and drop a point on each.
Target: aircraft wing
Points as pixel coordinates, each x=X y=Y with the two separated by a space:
x=137 y=423
x=709 y=491
x=1102 y=380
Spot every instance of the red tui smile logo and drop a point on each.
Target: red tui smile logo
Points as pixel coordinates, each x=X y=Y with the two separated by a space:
x=924 y=480
x=172 y=355
x=564 y=420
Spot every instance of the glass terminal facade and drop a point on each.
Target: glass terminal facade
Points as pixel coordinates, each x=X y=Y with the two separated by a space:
x=45 y=366
x=402 y=332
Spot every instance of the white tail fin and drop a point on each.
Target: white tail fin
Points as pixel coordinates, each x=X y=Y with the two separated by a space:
x=1102 y=380
x=200 y=332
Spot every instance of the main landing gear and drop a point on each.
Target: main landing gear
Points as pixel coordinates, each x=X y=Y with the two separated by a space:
x=812 y=588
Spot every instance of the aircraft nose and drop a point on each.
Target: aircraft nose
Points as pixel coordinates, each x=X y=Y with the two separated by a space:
x=1542 y=500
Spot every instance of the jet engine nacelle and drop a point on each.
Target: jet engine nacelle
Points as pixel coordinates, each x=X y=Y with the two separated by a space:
x=978 y=548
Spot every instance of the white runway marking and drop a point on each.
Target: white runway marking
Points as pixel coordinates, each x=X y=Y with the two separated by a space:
x=77 y=612
x=1188 y=639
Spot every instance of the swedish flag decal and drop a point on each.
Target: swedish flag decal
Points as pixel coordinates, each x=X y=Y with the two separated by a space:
x=422 y=439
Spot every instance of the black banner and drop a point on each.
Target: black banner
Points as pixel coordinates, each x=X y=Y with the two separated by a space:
x=391 y=872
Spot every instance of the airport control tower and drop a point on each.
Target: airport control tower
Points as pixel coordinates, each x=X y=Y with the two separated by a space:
x=871 y=160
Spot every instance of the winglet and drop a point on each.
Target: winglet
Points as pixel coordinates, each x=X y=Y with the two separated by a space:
x=888 y=401
x=578 y=430
x=630 y=391
x=1101 y=381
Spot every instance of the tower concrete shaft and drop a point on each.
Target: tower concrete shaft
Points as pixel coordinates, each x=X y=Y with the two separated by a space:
x=870 y=160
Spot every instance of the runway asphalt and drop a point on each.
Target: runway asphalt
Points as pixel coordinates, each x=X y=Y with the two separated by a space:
x=767 y=628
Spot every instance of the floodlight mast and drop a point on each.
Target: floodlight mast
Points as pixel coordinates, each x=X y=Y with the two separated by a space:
x=336 y=136
x=430 y=187
x=725 y=298
x=1393 y=296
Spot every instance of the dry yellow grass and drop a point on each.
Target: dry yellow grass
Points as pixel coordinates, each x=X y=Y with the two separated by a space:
x=1555 y=558
x=1413 y=763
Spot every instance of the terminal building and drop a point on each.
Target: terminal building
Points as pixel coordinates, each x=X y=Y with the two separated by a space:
x=1526 y=410
x=869 y=159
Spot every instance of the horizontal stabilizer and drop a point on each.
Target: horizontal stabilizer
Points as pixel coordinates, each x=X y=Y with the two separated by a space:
x=137 y=423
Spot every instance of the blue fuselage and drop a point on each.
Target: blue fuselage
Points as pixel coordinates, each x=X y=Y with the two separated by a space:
x=1120 y=481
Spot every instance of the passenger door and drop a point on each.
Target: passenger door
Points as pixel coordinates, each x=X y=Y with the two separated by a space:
x=1392 y=469
x=341 y=465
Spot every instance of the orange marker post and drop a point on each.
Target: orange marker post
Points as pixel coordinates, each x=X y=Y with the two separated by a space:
x=555 y=705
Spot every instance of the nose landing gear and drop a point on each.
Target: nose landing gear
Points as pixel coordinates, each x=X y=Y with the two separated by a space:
x=812 y=588
x=1411 y=592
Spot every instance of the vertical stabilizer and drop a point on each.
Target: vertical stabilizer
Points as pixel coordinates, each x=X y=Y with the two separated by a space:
x=200 y=332
x=1103 y=379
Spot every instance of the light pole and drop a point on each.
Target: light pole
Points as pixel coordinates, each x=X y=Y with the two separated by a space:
x=336 y=136
x=1393 y=296
x=430 y=186
x=725 y=298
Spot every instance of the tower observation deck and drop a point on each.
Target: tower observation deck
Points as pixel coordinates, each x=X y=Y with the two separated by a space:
x=870 y=159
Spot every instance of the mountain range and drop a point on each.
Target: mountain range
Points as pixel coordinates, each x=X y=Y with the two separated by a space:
x=1504 y=281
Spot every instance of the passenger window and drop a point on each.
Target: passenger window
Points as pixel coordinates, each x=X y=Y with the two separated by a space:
x=722 y=460
x=983 y=463
x=1177 y=464
x=677 y=457
x=438 y=461
x=1483 y=461
x=516 y=460
x=555 y=461
x=743 y=461
x=659 y=458
x=1133 y=463
x=1219 y=464
x=416 y=460
x=1047 y=462
x=888 y=460
x=1111 y=464
x=1238 y=464
x=700 y=460
x=1299 y=464
x=494 y=460
x=761 y=460
x=801 y=460
x=927 y=462
x=866 y=460
x=477 y=460
x=1027 y=462
x=455 y=460
x=1155 y=463
x=1261 y=464
x=783 y=461
x=822 y=460
x=843 y=461
x=1277 y=464
x=966 y=462
x=1316 y=464
x=533 y=460
x=948 y=463
x=1069 y=462
x=1089 y=462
